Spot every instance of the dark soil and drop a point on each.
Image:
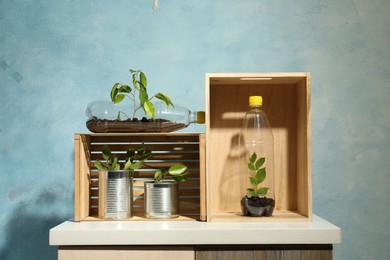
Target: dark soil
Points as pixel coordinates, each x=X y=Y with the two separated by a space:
x=257 y=207
x=144 y=119
x=134 y=125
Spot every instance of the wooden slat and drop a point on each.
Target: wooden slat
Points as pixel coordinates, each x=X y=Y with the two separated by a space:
x=147 y=137
x=166 y=164
x=202 y=175
x=82 y=177
x=156 y=147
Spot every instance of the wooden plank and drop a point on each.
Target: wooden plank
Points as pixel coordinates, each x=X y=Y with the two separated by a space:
x=175 y=147
x=249 y=252
x=146 y=137
x=202 y=173
x=77 y=198
x=278 y=216
x=82 y=176
x=126 y=252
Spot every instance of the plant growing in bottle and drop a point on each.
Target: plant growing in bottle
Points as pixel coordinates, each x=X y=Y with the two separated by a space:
x=257 y=205
x=143 y=112
x=120 y=91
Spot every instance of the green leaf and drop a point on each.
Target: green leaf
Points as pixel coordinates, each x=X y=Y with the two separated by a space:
x=182 y=177
x=114 y=159
x=260 y=163
x=119 y=98
x=177 y=169
x=251 y=192
x=164 y=98
x=251 y=167
x=158 y=175
x=130 y=154
x=143 y=80
x=253 y=181
x=260 y=175
x=144 y=156
x=99 y=166
x=118 y=117
x=125 y=89
x=117 y=167
x=262 y=191
x=252 y=158
x=136 y=165
x=135 y=82
x=149 y=108
x=114 y=91
x=143 y=96
x=143 y=153
x=106 y=152
x=127 y=165
x=113 y=162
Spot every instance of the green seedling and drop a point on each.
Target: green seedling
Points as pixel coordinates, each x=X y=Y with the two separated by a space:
x=135 y=159
x=255 y=164
x=120 y=91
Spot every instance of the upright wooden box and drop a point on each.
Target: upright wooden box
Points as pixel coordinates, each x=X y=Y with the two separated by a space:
x=167 y=149
x=287 y=104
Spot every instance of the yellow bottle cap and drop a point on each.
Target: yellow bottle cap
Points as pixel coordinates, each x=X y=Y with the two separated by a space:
x=255 y=101
x=200 y=117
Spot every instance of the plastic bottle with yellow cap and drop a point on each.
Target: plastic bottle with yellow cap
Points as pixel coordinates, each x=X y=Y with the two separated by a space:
x=178 y=114
x=256 y=137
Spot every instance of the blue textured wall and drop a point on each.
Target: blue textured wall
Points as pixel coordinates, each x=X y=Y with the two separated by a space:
x=56 y=56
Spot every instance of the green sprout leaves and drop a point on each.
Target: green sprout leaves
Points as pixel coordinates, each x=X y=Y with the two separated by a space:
x=119 y=92
x=134 y=159
x=176 y=172
x=164 y=98
x=255 y=164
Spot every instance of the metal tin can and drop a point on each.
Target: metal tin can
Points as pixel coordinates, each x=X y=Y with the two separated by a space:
x=115 y=194
x=161 y=199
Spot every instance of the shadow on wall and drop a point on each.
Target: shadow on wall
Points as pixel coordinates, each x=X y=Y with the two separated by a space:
x=27 y=232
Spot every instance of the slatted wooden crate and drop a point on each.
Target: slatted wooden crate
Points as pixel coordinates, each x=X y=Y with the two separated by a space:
x=287 y=103
x=168 y=149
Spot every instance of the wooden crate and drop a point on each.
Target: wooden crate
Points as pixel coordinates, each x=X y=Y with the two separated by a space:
x=168 y=149
x=287 y=103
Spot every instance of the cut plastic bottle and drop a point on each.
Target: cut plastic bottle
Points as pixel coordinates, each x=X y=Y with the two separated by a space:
x=107 y=117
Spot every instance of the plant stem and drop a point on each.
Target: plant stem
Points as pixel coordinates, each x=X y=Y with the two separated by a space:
x=135 y=104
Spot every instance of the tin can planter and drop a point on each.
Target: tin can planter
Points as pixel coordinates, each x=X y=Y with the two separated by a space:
x=161 y=199
x=115 y=194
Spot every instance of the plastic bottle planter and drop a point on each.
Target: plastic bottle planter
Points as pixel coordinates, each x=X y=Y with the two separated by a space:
x=257 y=162
x=103 y=118
x=257 y=207
x=161 y=199
x=115 y=194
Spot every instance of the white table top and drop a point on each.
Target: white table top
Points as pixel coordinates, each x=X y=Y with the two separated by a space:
x=317 y=231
